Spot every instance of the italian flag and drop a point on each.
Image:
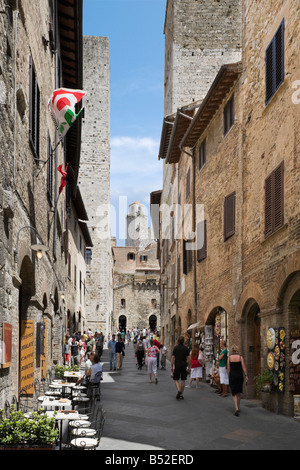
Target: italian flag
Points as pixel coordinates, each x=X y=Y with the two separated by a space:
x=62 y=108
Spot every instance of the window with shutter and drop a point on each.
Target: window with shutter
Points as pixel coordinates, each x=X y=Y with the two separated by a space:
x=188 y=184
x=49 y=171
x=202 y=241
x=229 y=115
x=187 y=257
x=229 y=215
x=202 y=154
x=274 y=200
x=34 y=111
x=274 y=63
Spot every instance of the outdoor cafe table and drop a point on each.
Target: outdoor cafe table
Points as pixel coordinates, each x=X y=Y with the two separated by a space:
x=49 y=405
x=65 y=416
x=72 y=375
x=62 y=386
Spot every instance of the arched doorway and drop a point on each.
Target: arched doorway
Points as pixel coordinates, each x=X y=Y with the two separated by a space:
x=251 y=344
x=153 y=322
x=122 y=323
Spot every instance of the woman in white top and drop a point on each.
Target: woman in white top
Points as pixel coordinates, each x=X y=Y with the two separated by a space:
x=152 y=361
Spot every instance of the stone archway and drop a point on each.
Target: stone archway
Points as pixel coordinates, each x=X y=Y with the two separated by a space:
x=251 y=342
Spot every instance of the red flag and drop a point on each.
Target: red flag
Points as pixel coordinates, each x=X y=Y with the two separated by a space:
x=64 y=177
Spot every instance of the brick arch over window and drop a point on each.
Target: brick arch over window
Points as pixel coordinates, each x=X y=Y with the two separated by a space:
x=283 y=275
x=251 y=291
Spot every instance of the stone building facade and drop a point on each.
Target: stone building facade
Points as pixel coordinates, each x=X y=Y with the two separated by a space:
x=199 y=38
x=136 y=277
x=94 y=180
x=39 y=54
x=243 y=148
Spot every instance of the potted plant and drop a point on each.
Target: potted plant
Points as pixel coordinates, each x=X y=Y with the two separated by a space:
x=263 y=381
x=36 y=431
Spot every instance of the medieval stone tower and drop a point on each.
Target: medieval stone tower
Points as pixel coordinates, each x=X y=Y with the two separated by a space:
x=200 y=36
x=95 y=180
x=138 y=232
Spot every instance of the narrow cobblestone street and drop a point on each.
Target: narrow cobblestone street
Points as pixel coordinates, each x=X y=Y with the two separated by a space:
x=144 y=416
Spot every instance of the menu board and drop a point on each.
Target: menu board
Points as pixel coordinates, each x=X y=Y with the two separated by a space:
x=276 y=357
x=27 y=356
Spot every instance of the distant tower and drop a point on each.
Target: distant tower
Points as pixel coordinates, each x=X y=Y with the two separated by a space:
x=138 y=233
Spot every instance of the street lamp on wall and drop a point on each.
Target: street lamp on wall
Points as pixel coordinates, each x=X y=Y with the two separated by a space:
x=38 y=248
x=62 y=292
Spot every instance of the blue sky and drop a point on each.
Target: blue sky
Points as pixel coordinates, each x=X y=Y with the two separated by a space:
x=136 y=42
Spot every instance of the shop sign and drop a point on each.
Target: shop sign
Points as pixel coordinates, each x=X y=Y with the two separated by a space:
x=295 y=361
x=276 y=357
x=27 y=356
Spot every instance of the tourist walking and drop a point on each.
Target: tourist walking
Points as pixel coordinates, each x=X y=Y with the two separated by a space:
x=75 y=355
x=152 y=352
x=112 y=353
x=163 y=360
x=196 y=366
x=140 y=353
x=179 y=363
x=224 y=380
x=236 y=368
x=120 y=352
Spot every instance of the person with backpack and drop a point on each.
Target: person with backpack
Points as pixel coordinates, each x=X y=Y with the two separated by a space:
x=140 y=352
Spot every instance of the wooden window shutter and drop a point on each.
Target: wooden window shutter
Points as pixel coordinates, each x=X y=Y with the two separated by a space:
x=229 y=215
x=34 y=111
x=188 y=184
x=49 y=171
x=184 y=257
x=268 y=206
x=279 y=46
x=269 y=72
x=278 y=196
x=274 y=63
x=202 y=240
x=202 y=154
x=274 y=200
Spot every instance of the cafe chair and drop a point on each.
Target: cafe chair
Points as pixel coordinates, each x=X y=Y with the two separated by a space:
x=86 y=442
x=93 y=387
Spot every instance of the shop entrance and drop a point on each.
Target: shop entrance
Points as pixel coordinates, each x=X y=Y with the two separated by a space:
x=153 y=322
x=251 y=349
x=122 y=323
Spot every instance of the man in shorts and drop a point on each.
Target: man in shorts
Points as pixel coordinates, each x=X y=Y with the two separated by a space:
x=181 y=360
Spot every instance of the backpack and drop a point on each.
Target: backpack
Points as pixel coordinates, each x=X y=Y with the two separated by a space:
x=140 y=346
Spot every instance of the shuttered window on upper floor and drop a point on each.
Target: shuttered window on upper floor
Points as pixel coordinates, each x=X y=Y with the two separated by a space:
x=229 y=115
x=187 y=256
x=274 y=62
x=34 y=111
x=274 y=200
x=201 y=240
x=229 y=215
x=49 y=171
x=202 y=154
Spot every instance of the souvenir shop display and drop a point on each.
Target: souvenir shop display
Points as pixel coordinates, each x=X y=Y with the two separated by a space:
x=276 y=357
